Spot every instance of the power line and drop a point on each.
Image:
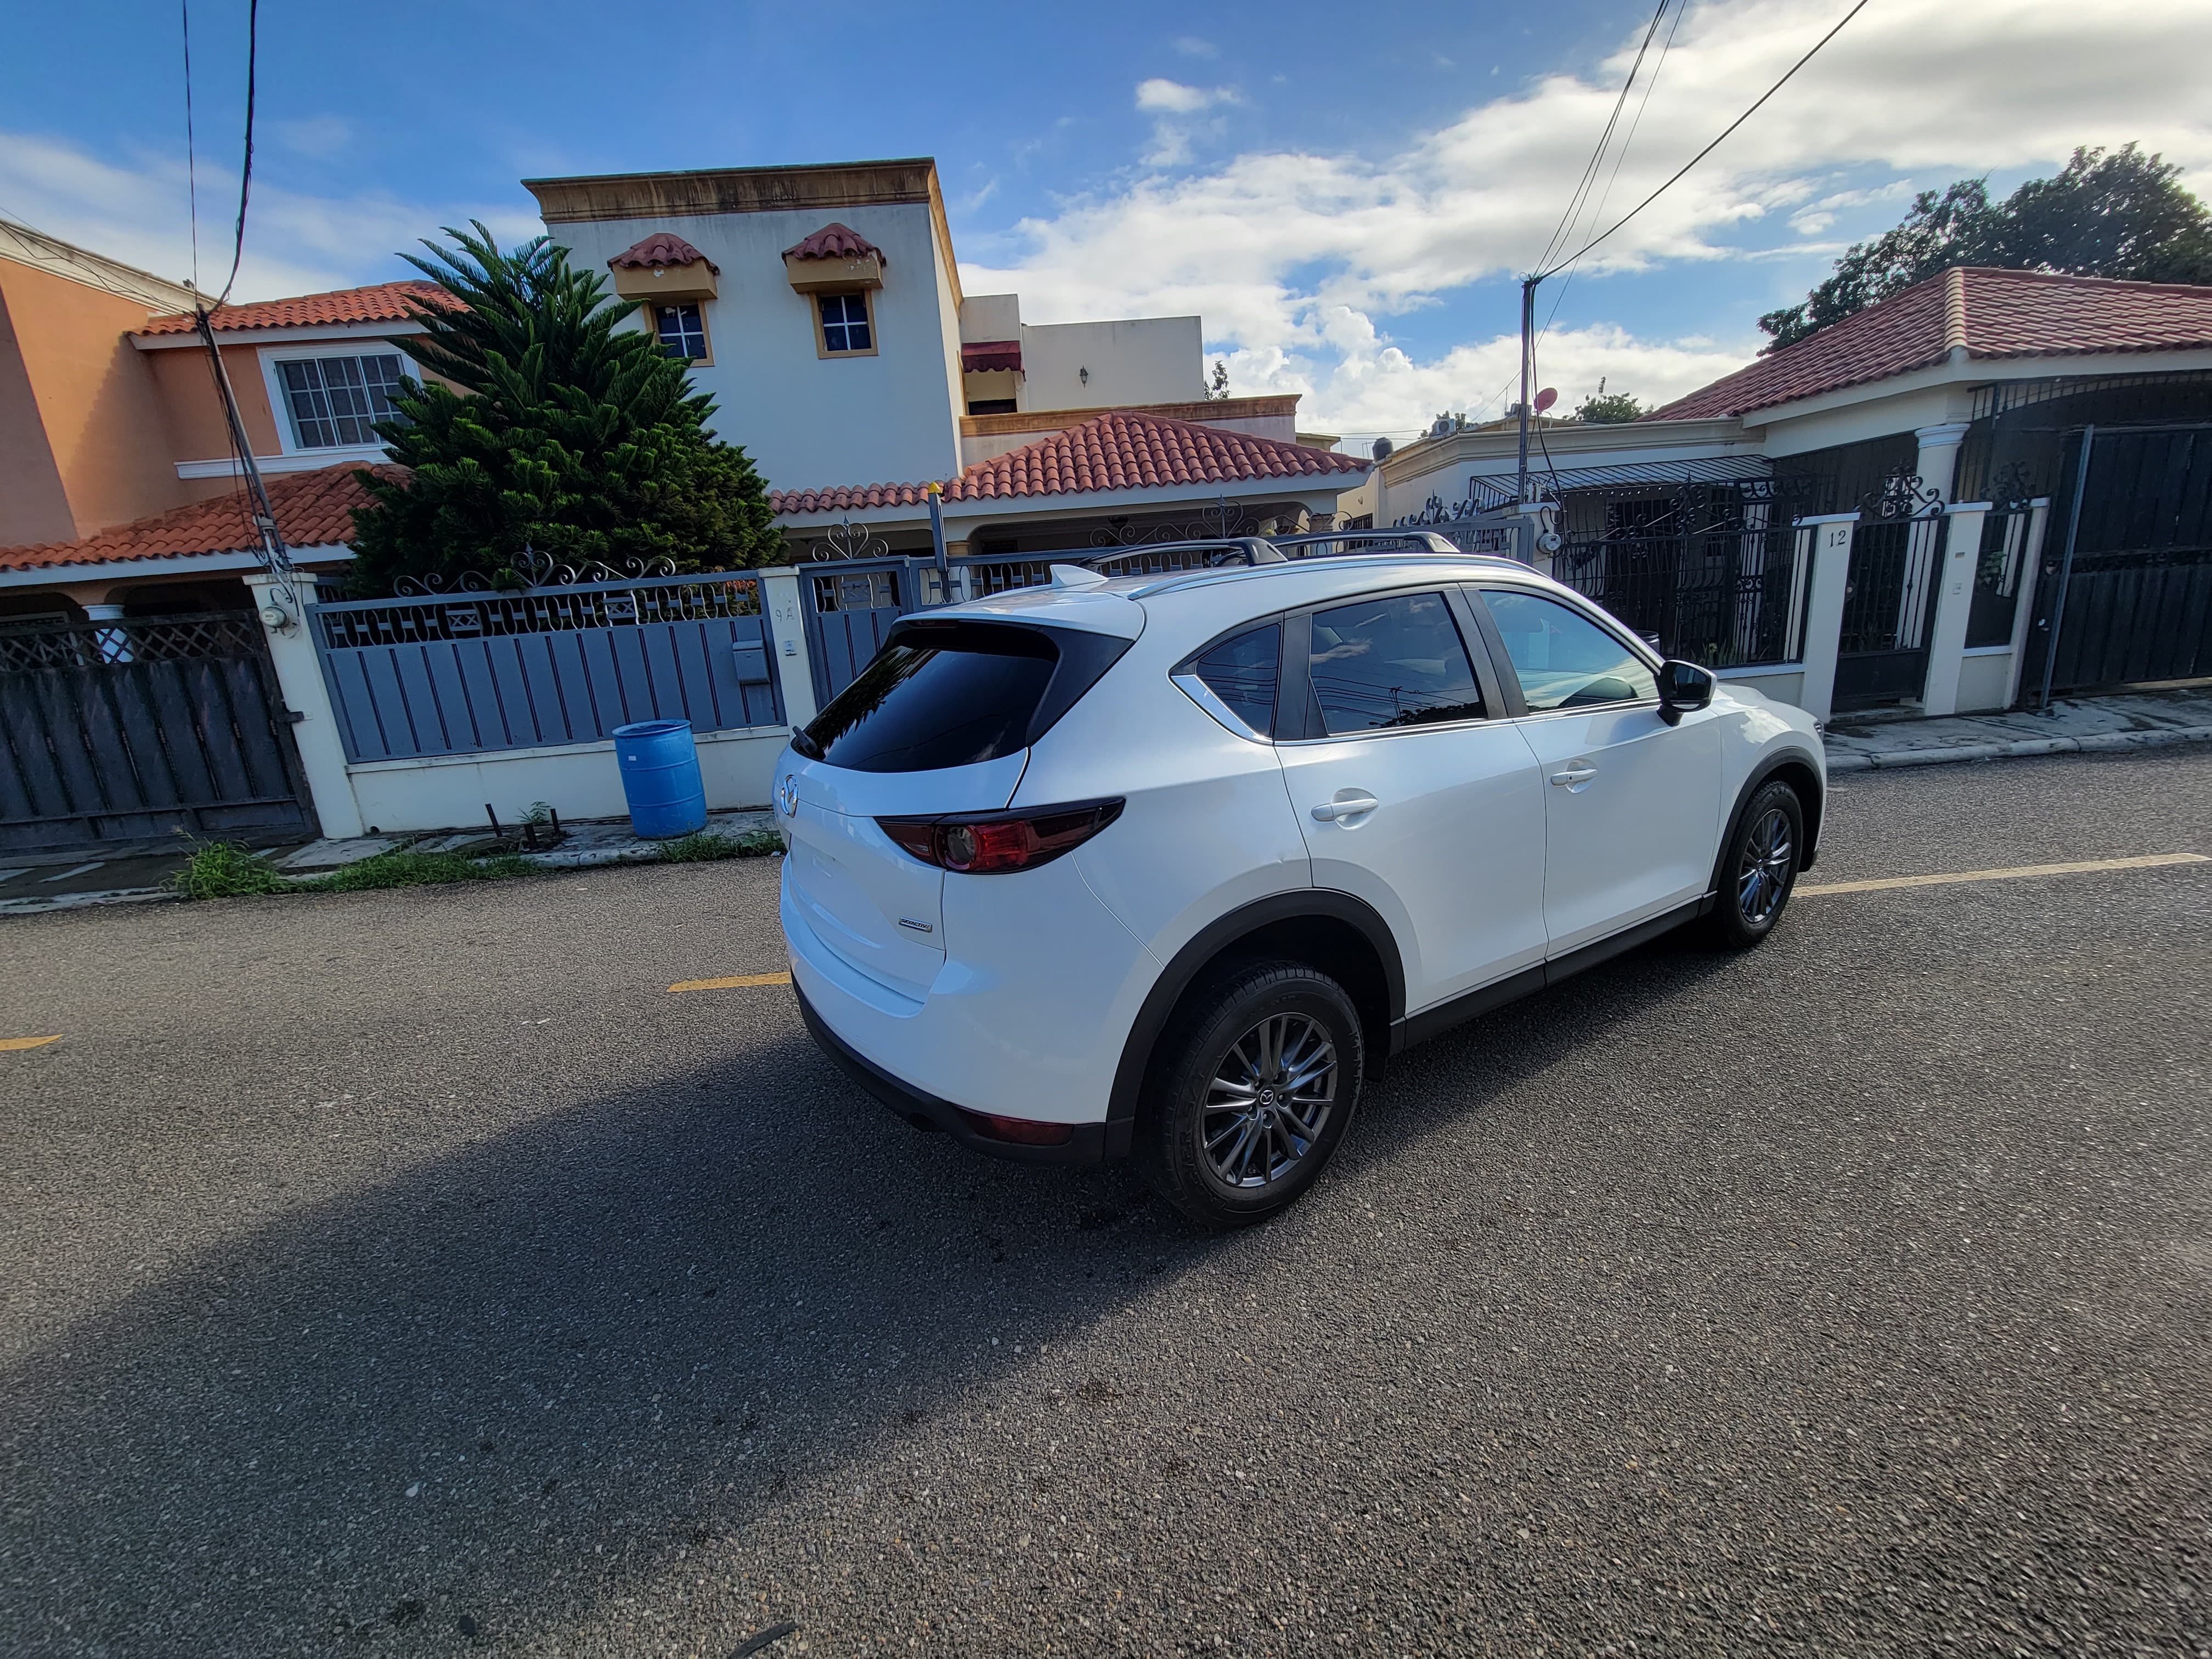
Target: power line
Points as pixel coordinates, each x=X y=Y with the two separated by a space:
x=1580 y=193
x=245 y=172
x=1709 y=149
x=192 y=154
x=1620 y=156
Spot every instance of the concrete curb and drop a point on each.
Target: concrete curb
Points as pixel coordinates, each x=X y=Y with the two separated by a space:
x=2093 y=742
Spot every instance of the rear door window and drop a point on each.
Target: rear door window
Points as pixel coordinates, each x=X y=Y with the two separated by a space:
x=1393 y=660
x=945 y=694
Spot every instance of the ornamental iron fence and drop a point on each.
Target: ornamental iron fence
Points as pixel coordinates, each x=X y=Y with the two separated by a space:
x=1707 y=570
x=475 y=672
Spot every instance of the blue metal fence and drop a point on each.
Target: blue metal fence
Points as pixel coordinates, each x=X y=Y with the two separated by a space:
x=469 y=673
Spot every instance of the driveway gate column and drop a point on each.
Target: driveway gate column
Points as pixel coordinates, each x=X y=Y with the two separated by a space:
x=1954 y=598
x=298 y=661
x=1830 y=559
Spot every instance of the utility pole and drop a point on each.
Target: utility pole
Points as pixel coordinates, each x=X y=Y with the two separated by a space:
x=1527 y=321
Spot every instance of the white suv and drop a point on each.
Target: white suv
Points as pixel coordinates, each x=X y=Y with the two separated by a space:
x=1167 y=864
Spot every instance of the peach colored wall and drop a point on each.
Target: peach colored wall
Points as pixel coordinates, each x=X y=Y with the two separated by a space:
x=96 y=399
x=195 y=413
x=33 y=507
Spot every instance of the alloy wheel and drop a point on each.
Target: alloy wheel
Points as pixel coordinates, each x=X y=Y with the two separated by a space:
x=1769 y=855
x=1268 y=1100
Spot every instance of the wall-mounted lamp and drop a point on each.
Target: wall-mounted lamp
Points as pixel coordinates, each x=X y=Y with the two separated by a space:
x=1084 y=375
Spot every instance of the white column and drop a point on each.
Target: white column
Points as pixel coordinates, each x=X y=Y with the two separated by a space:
x=300 y=679
x=1829 y=555
x=1954 y=600
x=2023 y=601
x=787 y=622
x=1938 y=465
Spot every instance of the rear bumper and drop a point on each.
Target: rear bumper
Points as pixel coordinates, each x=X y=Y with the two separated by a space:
x=1087 y=1143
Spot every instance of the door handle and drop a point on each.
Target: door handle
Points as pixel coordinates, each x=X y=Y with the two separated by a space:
x=1574 y=777
x=1348 y=803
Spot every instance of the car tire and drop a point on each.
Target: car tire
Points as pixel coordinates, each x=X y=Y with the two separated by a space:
x=1759 y=868
x=1255 y=1033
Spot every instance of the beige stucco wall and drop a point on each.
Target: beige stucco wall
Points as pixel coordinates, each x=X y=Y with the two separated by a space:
x=810 y=421
x=1144 y=359
x=82 y=442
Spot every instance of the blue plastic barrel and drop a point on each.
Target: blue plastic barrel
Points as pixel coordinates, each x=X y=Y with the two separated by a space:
x=660 y=762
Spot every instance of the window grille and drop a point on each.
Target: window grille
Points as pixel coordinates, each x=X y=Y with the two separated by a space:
x=337 y=401
x=845 y=323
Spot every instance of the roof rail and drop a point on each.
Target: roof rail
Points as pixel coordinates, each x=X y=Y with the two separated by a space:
x=1426 y=541
x=1215 y=553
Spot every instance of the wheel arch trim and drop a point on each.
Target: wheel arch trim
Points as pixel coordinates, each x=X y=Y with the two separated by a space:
x=1763 y=774
x=1223 y=933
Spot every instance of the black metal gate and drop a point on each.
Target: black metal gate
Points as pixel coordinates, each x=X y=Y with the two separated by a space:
x=116 y=731
x=2137 y=599
x=1707 y=570
x=1889 y=596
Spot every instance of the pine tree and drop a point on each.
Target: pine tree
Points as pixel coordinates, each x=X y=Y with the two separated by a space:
x=542 y=423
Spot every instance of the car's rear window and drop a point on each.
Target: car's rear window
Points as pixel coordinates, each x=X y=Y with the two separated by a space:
x=943 y=693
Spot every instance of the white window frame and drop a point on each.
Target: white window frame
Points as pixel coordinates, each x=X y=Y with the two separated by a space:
x=280 y=404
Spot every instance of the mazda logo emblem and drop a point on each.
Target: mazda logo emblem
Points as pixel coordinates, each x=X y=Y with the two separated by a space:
x=786 y=794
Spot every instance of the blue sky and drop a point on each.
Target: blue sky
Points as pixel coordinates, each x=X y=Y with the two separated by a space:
x=1343 y=193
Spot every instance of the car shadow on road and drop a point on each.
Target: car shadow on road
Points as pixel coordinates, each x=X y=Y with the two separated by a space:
x=494 y=1392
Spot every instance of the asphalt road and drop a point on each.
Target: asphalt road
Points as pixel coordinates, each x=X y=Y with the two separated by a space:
x=412 y=1273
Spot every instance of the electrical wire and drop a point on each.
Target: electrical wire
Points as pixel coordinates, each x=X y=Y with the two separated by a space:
x=1620 y=156
x=1709 y=149
x=1580 y=194
x=192 y=156
x=245 y=172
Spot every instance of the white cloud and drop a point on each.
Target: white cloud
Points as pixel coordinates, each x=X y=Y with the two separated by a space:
x=1297 y=260
x=1191 y=46
x=1174 y=98
x=137 y=209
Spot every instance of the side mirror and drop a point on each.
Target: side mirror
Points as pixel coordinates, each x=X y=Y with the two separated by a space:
x=1683 y=686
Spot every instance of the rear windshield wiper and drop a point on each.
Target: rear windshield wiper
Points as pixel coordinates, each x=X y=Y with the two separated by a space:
x=804 y=745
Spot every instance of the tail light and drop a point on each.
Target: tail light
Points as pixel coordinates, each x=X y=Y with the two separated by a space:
x=1018 y=1131
x=981 y=844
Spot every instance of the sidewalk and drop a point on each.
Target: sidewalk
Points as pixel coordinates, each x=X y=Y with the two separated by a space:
x=2139 y=719
x=33 y=884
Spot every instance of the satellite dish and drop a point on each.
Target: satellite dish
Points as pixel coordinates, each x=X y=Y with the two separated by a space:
x=1546 y=398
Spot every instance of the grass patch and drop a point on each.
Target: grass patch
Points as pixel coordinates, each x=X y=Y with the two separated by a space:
x=222 y=869
x=403 y=866
x=704 y=844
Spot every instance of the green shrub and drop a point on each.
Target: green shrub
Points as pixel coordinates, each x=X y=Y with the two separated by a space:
x=222 y=869
x=403 y=866
x=704 y=844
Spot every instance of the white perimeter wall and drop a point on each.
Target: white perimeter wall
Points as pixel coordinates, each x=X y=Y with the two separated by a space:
x=809 y=421
x=580 y=780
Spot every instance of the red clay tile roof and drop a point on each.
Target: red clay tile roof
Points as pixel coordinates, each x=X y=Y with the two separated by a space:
x=1121 y=449
x=981 y=356
x=664 y=248
x=1991 y=313
x=381 y=302
x=834 y=241
x=314 y=509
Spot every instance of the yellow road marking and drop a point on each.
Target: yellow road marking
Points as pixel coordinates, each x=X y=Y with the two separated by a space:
x=732 y=983
x=28 y=1042
x=2085 y=867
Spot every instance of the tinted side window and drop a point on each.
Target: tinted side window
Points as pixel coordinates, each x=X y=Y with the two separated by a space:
x=1241 y=671
x=1562 y=659
x=1390 y=662
x=953 y=694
